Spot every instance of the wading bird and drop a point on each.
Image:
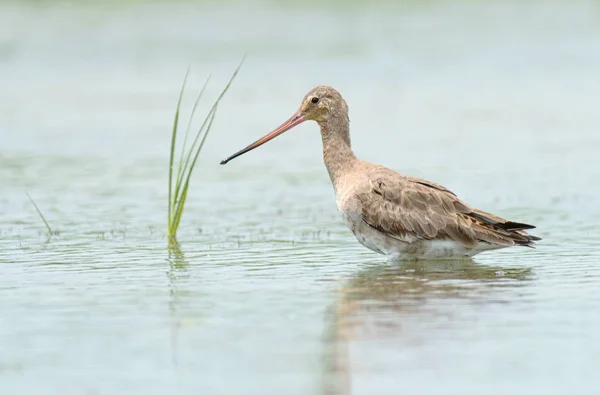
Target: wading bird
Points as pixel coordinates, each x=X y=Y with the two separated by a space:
x=402 y=217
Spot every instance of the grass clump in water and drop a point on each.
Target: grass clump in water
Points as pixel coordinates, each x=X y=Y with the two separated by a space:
x=179 y=180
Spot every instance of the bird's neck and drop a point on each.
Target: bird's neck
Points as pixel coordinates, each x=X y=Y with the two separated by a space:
x=337 y=152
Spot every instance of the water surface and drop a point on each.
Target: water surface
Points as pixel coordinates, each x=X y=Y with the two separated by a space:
x=270 y=293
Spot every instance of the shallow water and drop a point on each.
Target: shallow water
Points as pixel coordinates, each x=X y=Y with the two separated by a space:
x=270 y=293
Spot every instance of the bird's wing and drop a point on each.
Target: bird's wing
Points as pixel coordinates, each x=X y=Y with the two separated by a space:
x=430 y=184
x=410 y=209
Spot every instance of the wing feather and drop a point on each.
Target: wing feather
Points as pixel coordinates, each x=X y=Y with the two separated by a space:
x=405 y=209
x=411 y=209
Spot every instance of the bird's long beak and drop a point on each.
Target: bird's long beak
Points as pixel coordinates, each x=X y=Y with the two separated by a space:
x=296 y=119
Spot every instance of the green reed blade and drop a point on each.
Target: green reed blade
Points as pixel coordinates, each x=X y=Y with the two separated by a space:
x=41 y=215
x=181 y=202
x=173 y=140
x=187 y=131
x=202 y=127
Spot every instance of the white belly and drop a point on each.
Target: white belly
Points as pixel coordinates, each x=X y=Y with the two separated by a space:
x=411 y=249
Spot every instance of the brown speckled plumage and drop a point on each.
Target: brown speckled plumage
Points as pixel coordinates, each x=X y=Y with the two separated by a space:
x=410 y=208
x=393 y=214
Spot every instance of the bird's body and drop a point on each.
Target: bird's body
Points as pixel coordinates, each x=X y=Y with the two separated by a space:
x=410 y=218
x=396 y=215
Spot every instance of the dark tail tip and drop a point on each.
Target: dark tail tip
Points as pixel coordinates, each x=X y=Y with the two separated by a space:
x=527 y=240
x=510 y=226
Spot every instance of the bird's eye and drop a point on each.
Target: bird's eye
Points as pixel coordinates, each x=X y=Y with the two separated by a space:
x=314 y=100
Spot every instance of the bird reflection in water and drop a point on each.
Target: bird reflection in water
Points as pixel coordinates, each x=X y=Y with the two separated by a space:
x=377 y=302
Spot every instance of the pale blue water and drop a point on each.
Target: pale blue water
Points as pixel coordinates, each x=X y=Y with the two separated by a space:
x=497 y=101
